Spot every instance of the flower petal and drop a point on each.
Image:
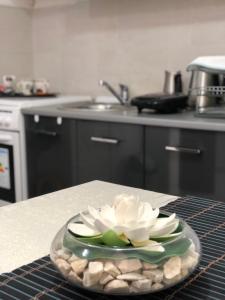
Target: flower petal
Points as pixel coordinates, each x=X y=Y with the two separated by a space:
x=87 y=220
x=138 y=234
x=107 y=213
x=167 y=229
x=126 y=208
x=163 y=221
x=81 y=230
x=154 y=246
x=101 y=226
x=94 y=213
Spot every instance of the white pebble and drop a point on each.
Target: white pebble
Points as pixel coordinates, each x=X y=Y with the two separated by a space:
x=111 y=269
x=142 y=285
x=148 y=266
x=157 y=286
x=188 y=262
x=79 y=265
x=93 y=274
x=172 y=267
x=73 y=277
x=63 y=253
x=72 y=258
x=172 y=280
x=154 y=275
x=117 y=286
x=184 y=272
x=129 y=265
x=63 y=266
x=131 y=276
x=105 y=278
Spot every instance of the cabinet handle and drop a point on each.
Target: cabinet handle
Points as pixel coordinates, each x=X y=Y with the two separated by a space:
x=183 y=150
x=46 y=132
x=104 y=140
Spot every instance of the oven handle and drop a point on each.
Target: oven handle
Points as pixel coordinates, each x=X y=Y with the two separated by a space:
x=5 y=138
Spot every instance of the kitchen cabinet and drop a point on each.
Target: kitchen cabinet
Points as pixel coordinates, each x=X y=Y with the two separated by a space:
x=110 y=152
x=184 y=162
x=167 y=160
x=49 y=154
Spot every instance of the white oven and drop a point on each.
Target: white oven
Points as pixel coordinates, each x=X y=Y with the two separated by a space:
x=10 y=166
x=13 y=175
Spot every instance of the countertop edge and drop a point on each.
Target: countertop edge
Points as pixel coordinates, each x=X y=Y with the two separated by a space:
x=185 y=120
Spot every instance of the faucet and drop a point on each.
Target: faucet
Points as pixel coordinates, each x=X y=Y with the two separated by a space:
x=122 y=97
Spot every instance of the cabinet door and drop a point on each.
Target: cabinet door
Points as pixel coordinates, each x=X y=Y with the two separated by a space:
x=219 y=168
x=93 y=157
x=49 y=151
x=180 y=161
x=110 y=152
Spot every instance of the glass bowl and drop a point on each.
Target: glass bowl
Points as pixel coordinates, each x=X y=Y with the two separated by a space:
x=125 y=270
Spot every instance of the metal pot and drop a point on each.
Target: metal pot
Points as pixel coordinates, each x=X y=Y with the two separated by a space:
x=199 y=82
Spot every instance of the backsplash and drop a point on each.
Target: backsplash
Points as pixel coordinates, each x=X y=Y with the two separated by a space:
x=130 y=41
x=16 y=45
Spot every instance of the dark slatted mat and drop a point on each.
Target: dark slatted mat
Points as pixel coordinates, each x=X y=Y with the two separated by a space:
x=39 y=280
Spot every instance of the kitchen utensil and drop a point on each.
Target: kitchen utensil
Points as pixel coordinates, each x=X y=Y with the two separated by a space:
x=25 y=87
x=8 y=83
x=172 y=83
x=161 y=103
x=198 y=93
x=41 y=87
x=207 y=81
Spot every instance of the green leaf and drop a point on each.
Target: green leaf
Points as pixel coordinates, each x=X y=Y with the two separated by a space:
x=174 y=248
x=166 y=238
x=93 y=240
x=110 y=238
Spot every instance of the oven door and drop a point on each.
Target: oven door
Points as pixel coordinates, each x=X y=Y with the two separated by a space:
x=10 y=177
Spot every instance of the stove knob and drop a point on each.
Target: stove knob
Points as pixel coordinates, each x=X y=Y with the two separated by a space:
x=7 y=121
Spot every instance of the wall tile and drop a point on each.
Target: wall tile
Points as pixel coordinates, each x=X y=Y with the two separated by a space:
x=130 y=41
x=16 y=45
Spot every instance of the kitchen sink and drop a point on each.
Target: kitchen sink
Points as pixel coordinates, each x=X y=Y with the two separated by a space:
x=95 y=106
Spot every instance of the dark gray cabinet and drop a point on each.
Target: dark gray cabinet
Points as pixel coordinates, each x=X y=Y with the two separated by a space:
x=110 y=152
x=185 y=162
x=49 y=154
x=167 y=160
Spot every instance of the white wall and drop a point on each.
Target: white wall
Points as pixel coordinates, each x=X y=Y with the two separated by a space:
x=15 y=42
x=131 y=41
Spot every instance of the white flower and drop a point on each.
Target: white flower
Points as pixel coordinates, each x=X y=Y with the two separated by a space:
x=131 y=218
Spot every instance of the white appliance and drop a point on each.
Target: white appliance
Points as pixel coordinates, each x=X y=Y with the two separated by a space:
x=13 y=177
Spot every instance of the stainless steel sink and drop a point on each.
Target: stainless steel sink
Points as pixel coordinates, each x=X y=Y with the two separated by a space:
x=93 y=106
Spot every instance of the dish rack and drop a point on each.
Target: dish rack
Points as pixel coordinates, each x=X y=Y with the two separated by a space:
x=211 y=91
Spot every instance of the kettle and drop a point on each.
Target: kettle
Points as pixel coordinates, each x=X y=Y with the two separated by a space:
x=172 y=83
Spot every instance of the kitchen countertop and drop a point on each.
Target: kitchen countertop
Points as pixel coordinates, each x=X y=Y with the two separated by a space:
x=28 y=227
x=180 y=120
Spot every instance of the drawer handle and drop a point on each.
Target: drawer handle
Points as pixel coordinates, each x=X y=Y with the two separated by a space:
x=46 y=132
x=104 y=140
x=183 y=150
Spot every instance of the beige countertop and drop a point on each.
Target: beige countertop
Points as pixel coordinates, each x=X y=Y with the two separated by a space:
x=28 y=227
